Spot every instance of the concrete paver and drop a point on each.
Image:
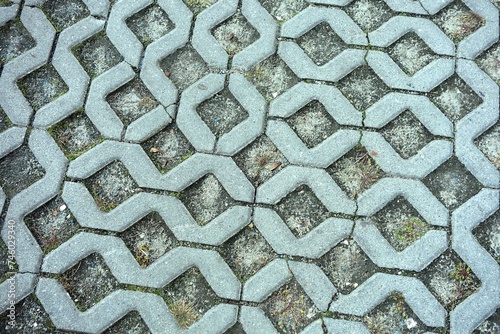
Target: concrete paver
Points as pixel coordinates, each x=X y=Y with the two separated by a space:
x=354 y=169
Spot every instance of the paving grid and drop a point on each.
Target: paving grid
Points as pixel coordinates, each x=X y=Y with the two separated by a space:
x=388 y=149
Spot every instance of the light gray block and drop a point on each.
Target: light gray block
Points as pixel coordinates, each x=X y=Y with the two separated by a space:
x=424 y=80
x=322 y=155
x=23 y=283
x=254 y=321
x=267 y=28
x=12 y=100
x=250 y=128
x=477 y=122
x=11 y=139
x=152 y=309
x=393 y=104
x=148 y=124
x=475 y=309
x=320 y=182
x=313 y=245
x=314 y=282
x=71 y=72
x=173 y=212
x=267 y=280
x=189 y=121
x=47 y=153
x=379 y=286
x=418 y=166
x=415 y=192
x=146 y=175
x=343 y=26
x=152 y=75
x=98 y=109
x=415 y=257
x=203 y=40
x=125 y=268
x=8 y=13
x=125 y=41
x=330 y=97
x=471 y=46
x=398 y=26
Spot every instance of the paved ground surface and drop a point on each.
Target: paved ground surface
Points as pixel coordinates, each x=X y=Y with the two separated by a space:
x=205 y=166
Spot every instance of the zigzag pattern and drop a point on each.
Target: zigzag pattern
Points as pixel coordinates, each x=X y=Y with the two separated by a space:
x=261 y=160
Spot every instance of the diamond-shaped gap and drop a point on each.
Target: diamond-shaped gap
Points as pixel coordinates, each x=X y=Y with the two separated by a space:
x=131 y=101
x=400 y=223
x=149 y=239
x=490 y=325
x=302 y=211
x=411 y=53
x=197 y=6
x=355 y=172
x=489 y=62
x=111 y=186
x=260 y=160
x=369 y=14
x=42 y=86
x=406 y=134
x=52 y=224
x=97 y=54
x=222 y=112
x=347 y=266
x=31 y=317
x=321 y=43
x=14 y=40
x=5 y=122
x=247 y=252
x=285 y=9
x=363 y=87
x=65 y=13
x=89 y=281
x=19 y=170
x=450 y=279
x=131 y=323
x=206 y=199
x=75 y=135
x=184 y=67
x=272 y=77
x=452 y=183
x=313 y=124
x=150 y=24
x=168 y=148
x=488 y=235
x=458 y=21
x=289 y=308
x=455 y=98
x=189 y=297
x=393 y=316
x=489 y=144
x=235 y=34
x=237 y=328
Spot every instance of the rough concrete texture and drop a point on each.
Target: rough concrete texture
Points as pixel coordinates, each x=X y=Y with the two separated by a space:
x=249 y=166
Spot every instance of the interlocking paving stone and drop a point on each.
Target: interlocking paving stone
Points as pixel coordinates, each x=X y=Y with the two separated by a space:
x=434 y=97
x=71 y=72
x=12 y=100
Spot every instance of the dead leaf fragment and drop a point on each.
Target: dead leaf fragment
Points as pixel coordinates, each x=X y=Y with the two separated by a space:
x=154 y=150
x=274 y=166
